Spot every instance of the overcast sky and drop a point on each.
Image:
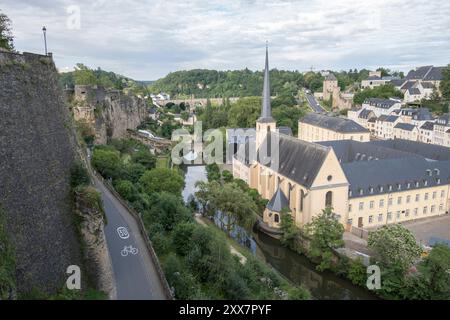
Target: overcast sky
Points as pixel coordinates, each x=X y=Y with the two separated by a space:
x=145 y=40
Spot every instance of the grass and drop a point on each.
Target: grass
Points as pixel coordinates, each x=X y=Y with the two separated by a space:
x=162 y=162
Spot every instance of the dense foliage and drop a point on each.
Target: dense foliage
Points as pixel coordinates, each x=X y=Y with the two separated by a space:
x=7 y=261
x=237 y=83
x=445 y=84
x=6 y=37
x=385 y=91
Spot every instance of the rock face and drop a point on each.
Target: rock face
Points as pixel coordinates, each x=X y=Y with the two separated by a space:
x=110 y=112
x=36 y=152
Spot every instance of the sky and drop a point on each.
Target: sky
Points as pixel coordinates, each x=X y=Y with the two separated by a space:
x=147 y=39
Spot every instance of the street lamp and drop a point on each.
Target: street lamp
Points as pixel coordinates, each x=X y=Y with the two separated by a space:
x=44 y=30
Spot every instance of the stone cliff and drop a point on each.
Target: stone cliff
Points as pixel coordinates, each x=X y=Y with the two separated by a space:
x=109 y=112
x=36 y=152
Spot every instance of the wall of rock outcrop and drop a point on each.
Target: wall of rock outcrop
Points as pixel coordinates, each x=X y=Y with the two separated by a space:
x=36 y=152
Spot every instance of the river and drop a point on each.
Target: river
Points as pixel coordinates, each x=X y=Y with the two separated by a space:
x=295 y=267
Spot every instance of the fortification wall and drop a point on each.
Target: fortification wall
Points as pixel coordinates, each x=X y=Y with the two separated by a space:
x=36 y=153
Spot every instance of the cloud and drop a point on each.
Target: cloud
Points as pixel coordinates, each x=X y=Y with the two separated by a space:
x=148 y=39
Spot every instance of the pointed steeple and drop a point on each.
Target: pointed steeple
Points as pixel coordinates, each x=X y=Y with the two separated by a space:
x=266 y=112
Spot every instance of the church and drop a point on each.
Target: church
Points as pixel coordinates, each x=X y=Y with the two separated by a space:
x=367 y=184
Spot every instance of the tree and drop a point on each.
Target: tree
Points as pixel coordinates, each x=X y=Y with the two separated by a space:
x=181 y=238
x=107 y=163
x=291 y=233
x=445 y=83
x=213 y=172
x=168 y=210
x=385 y=91
x=222 y=198
x=436 y=270
x=162 y=180
x=144 y=158
x=395 y=246
x=78 y=175
x=84 y=76
x=326 y=233
x=244 y=113
x=126 y=189
x=6 y=37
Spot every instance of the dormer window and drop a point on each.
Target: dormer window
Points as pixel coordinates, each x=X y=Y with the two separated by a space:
x=408 y=185
x=417 y=184
x=381 y=188
x=425 y=183
x=390 y=187
x=399 y=186
x=429 y=172
x=436 y=172
x=438 y=180
x=361 y=192
x=371 y=190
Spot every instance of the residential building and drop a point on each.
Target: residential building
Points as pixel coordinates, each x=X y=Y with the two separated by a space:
x=384 y=126
x=318 y=127
x=406 y=131
x=441 y=127
x=382 y=106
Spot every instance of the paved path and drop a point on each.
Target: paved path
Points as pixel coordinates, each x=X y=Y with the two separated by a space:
x=135 y=274
x=423 y=229
x=315 y=106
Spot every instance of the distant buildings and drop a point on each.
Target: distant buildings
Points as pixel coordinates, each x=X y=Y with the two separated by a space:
x=160 y=96
x=374 y=80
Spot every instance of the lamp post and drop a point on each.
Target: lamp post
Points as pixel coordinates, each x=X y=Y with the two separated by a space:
x=44 y=30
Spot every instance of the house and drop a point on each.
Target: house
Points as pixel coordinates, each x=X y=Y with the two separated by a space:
x=384 y=126
x=406 y=131
x=375 y=79
x=382 y=106
x=416 y=116
x=426 y=132
x=441 y=126
x=318 y=127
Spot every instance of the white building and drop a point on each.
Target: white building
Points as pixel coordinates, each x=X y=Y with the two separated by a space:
x=382 y=106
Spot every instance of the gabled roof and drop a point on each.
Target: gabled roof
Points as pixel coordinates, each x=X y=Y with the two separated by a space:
x=333 y=123
x=285 y=130
x=429 y=73
x=414 y=91
x=365 y=113
x=405 y=126
x=407 y=85
x=278 y=202
x=428 y=151
x=398 y=82
x=390 y=118
x=297 y=159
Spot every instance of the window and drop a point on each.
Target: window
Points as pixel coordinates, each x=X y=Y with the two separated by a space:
x=426 y=196
x=425 y=210
x=416 y=211
x=349 y=208
x=302 y=195
x=329 y=199
x=434 y=194
x=399 y=200
x=441 y=207
x=330 y=177
x=381 y=203
x=389 y=216
x=380 y=217
x=433 y=208
x=407 y=213
x=361 y=206
x=370 y=219
x=350 y=221
x=398 y=215
x=372 y=203
x=390 y=202
x=442 y=193
x=276 y=218
x=417 y=197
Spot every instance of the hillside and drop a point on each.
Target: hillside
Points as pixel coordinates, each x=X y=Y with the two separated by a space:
x=211 y=83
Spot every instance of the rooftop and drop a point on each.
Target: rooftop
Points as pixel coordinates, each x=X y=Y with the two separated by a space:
x=405 y=126
x=381 y=103
x=278 y=202
x=333 y=123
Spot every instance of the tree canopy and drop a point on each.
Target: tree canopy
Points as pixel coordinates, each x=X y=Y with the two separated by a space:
x=385 y=91
x=6 y=36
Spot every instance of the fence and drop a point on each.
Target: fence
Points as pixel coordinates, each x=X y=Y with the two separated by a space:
x=143 y=232
x=362 y=233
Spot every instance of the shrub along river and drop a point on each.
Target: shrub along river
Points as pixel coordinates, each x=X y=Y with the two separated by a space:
x=295 y=267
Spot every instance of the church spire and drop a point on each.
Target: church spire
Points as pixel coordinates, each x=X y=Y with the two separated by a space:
x=266 y=112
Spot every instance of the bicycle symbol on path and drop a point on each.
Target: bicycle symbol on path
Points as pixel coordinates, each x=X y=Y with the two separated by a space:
x=129 y=249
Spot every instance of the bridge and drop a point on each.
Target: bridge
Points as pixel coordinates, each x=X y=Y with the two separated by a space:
x=194 y=102
x=159 y=144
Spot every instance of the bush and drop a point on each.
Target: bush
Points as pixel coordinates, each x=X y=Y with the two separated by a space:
x=7 y=261
x=162 y=180
x=182 y=235
x=126 y=189
x=79 y=175
x=107 y=163
x=357 y=273
x=160 y=243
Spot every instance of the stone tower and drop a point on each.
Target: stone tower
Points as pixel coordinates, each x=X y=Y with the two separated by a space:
x=265 y=123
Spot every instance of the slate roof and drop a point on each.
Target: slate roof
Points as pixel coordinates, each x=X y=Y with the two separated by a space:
x=414 y=91
x=429 y=73
x=405 y=126
x=389 y=118
x=330 y=77
x=397 y=82
x=427 y=85
x=408 y=85
x=333 y=123
x=365 y=113
x=428 y=151
x=380 y=103
x=285 y=130
x=377 y=177
x=278 y=202
x=297 y=159
x=428 y=126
